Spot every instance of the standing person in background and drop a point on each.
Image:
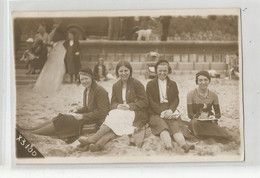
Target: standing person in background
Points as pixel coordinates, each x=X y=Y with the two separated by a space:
x=164 y=118
x=72 y=57
x=113 y=28
x=100 y=71
x=165 y=20
x=232 y=63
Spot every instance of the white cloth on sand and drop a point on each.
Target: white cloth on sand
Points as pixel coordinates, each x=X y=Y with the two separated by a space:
x=120 y=121
x=52 y=74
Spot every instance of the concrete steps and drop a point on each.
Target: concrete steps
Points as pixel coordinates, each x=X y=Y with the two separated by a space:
x=23 y=79
x=22 y=47
x=20 y=67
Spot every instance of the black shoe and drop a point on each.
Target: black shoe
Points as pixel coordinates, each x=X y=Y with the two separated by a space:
x=82 y=148
x=83 y=142
x=188 y=147
x=95 y=148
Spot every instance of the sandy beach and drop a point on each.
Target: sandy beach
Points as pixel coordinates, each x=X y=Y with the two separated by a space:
x=34 y=107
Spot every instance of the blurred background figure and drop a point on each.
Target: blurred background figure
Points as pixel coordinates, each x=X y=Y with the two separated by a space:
x=151 y=57
x=52 y=33
x=165 y=21
x=100 y=71
x=113 y=28
x=42 y=34
x=38 y=57
x=72 y=57
x=232 y=66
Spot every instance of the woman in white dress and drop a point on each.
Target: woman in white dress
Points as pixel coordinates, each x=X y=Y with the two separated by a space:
x=128 y=104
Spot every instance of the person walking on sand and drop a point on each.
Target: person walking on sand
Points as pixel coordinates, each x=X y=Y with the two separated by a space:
x=164 y=118
x=70 y=126
x=200 y=105
x=128 y=114
x=72 y=57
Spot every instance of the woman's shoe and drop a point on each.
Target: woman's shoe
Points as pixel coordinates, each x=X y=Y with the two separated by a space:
x=84 y=142
x=188 y=147
x=169 y=148
x=95 y=148
x=81 y=147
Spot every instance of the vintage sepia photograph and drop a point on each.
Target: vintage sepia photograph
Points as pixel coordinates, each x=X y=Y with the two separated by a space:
x=144 y=86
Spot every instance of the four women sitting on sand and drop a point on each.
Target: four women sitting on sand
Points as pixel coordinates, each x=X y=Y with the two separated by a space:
x=132 y=108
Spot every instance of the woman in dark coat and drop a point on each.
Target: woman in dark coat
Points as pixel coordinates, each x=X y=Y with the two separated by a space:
x=40 y=52
x=95 y=109
x=163 y=96
x=128 y=104
x=72 y=56
x=200 y=104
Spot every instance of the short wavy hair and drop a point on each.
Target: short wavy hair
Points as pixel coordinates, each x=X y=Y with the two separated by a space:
x=160 y=62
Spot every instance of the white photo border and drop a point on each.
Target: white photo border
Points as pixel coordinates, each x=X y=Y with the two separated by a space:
x=249 y=52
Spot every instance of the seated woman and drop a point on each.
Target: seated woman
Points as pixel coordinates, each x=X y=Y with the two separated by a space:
x=100 y=72
x=163 y=97
x=128 y=104
x=70 y=126
x=39 y=52
x=200 y=102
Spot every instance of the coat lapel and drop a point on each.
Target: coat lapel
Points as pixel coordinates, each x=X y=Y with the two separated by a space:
x=84 y=99
x=128 y=89
x=156 y=90
x=119 y=92
x=90 y=94
x=168 y=89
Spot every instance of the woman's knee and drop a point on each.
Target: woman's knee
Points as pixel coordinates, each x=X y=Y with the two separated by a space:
x=165 y=132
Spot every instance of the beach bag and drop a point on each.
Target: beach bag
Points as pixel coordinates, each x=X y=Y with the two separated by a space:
x=137 y=138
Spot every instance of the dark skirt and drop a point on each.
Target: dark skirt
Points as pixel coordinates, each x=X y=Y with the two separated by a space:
x=158 y=124
x=36 y=63
x=205 y=129
x=72 y=62
x=67 y=126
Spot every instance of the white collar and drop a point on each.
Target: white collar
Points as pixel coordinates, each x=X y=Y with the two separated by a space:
x=162 y=81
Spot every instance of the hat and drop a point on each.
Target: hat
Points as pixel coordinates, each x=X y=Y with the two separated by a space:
x=203 y=73
x=86 y=71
